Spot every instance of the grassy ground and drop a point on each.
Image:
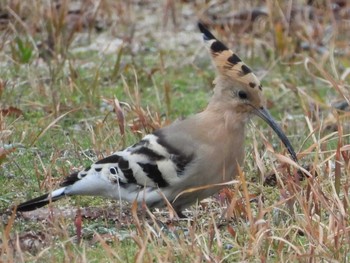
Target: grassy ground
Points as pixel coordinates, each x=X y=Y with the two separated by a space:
x=68 y=69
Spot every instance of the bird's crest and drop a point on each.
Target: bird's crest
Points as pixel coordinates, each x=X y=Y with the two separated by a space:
x=227 y=62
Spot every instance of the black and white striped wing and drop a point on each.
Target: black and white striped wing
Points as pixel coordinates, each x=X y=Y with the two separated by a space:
x=148 y=163
x=147 y=166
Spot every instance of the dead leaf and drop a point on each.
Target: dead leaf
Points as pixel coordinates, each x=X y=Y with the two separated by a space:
x=11 y=111
x=4 y=152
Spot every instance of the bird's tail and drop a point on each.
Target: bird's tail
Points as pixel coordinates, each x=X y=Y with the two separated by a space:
x=42 y=200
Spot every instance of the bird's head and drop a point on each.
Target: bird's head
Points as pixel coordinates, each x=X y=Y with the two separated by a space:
x=237 y=87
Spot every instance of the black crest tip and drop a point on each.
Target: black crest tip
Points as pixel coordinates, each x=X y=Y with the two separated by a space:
x=206 y=33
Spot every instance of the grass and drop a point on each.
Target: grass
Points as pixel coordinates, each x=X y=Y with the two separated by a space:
x=59 y=113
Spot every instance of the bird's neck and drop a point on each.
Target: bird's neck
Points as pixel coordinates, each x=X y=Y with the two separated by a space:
x=226 y=116
x=224 y=130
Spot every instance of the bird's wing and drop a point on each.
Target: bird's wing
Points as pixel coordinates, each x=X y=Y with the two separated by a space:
x=151 y=162
x=148 y=165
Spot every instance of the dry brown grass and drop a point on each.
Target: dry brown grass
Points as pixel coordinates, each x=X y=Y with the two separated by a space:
x=63 y=107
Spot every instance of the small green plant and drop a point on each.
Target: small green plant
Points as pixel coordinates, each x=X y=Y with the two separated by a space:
x=21 y=50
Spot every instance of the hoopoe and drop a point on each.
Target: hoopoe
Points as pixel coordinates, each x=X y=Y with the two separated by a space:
x=199 y=152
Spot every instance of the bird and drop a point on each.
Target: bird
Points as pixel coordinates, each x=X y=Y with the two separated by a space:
x=200 y=152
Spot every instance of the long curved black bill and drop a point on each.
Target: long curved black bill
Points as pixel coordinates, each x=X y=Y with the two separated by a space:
x=266 y=116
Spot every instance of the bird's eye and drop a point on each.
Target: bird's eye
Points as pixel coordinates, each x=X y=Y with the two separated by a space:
x=242 y=95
